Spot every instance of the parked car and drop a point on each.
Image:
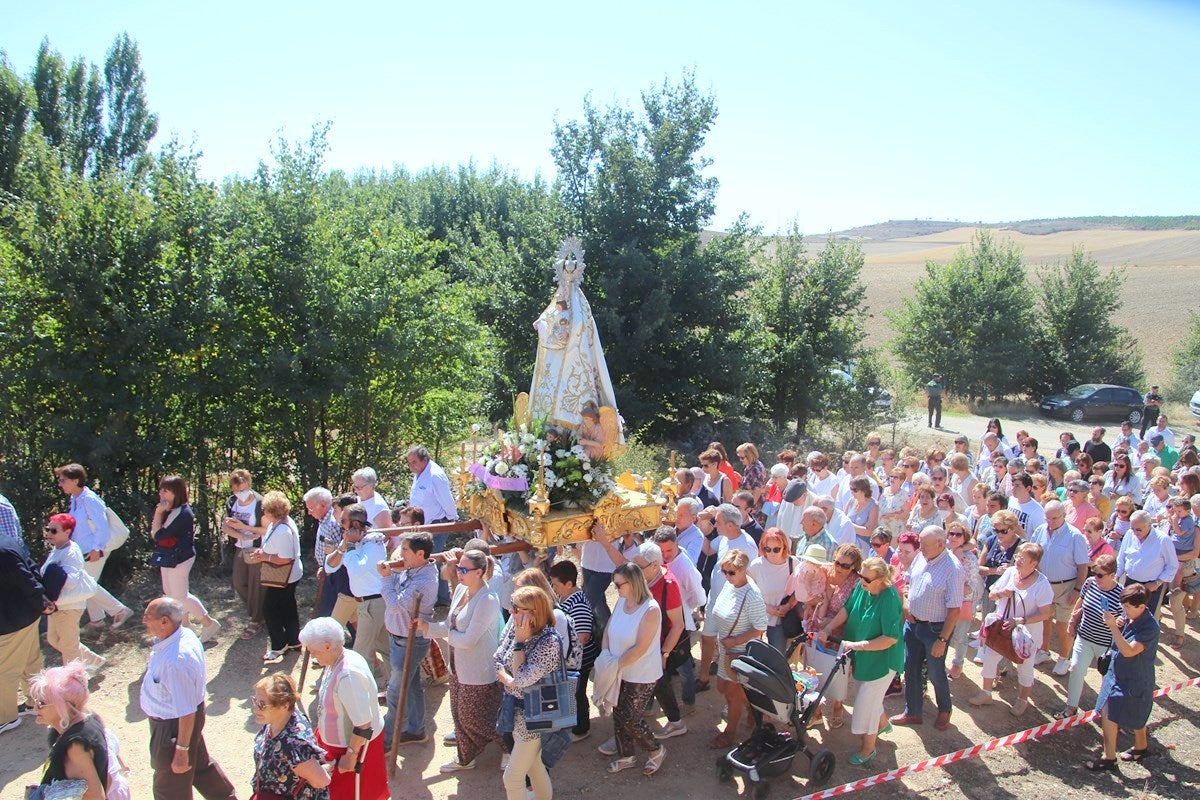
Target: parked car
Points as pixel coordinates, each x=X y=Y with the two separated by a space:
x=1194 y=405
x=881 y=398
x=1096 y=401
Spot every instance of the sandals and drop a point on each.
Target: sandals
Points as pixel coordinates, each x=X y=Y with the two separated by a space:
x=1066 y=712
x=654 y=762
x=621 y=764
x=1101 y=764
x=249 y=632
x=1177 y=643
x=1135 y=755
x=702 y=686
x=837 y=719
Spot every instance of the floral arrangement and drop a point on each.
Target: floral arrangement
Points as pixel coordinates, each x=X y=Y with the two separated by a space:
x=510 y=466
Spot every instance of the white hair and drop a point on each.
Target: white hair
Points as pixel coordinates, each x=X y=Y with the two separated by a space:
x=650 y=552
x=323 y=630
x=692 y=504
x=319 y=494
x=366 y=475
x=815 y=512
x=935 y=531
x=824 y=501
x=730 y=513
x=779 y=470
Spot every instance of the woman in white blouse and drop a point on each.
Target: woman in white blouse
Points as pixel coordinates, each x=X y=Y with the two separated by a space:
x=280 y=548
x=472 y=628
x=740 y=615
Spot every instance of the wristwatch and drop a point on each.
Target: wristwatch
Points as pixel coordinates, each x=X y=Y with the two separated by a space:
x=943 y=640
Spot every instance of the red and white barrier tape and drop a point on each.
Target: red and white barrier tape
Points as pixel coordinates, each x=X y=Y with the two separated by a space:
x=976 y=750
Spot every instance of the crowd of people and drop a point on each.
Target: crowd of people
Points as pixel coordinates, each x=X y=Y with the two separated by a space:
x=997 y=552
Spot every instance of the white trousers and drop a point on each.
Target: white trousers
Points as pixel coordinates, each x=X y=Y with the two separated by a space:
x=175 y=584
x=868 y=704
x=102 y=602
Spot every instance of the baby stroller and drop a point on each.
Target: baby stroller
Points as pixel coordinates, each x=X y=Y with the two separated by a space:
x=766 y=676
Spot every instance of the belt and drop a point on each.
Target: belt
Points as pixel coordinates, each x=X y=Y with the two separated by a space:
x=440 y=521
x=368 y=597
x=398 y=639
x=1060 y=583
x=928 y=621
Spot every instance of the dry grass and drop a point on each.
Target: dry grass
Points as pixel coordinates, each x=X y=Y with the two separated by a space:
x=1163 y=275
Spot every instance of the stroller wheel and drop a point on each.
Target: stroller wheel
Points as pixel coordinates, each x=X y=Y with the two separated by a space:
x=820 y=766
x=724 y=770
x=760 y=790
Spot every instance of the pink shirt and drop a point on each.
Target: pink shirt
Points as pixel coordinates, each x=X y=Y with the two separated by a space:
x=1081 y=514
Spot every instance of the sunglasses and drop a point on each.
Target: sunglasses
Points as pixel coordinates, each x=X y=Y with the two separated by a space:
x=465 y=570
x=772 y=549
x=843 y=565
x=1001 y=528
x=354 y=526
x=865 y=578
x=956 y=533
x=259 y=705
x=620 y=584
x=53 y=530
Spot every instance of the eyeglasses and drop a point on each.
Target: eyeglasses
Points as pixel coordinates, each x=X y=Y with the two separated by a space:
x=354 y=526
x=772 y=549
x=843 y=565
x=1072 y=491
x=39 y=704
x=956 y=533
x=465 y=570
x=48 y=529
x=1001 y=528
x=730 y=572
x=259 y=705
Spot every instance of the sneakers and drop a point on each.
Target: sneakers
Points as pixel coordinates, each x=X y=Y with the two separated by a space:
x=94 y=665
x=450 y=739
x=1041 y=657
x=1019 y=707
x=671 y=730
x=208 y=632
x=8 y=726
x=454 y=766
x=123 y=616
x=608 y=747
x=1062 y=666
x=413 y=738
x=983 y=698
x=579 y=737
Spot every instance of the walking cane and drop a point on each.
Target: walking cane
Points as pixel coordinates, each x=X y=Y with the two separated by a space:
x=401 y=701
x=358 y=765
x=305 y=656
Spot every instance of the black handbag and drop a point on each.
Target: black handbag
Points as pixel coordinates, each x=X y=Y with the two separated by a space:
x=549 y=704
x=792 y=623
x=163 y=557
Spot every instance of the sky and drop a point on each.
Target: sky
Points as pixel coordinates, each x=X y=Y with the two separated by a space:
x=831 y=114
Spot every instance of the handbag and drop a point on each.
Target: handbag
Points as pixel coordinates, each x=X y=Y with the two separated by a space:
x=164 y=556
x=549 y=704
x=792 y=623
x=275 y=576
x=681 y=653
x=728 y=656
x=118 y=531
x=998 y=634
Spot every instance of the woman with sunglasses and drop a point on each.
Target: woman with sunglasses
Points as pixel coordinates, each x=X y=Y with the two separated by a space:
x=288 y=762
x=79 y=743
x=774 y=572
x=1127 y=693
x=843 y=580
x=1101 y=593
x=739 y=615
x=716 y=481
x=632 y=636
x=960 y=543
x=1122 y=480
x=874 y=631
x=1098 y=544
x=472 y=630
x=1024 y=595
x=1001 y=552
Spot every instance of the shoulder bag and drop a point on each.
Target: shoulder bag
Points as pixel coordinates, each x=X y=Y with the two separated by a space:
x=792 y=623
x=275 y=576
x=728 y=656
x=549 y=704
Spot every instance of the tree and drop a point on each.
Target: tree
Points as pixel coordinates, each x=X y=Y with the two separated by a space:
x=666 y=303
x=1185 y=363
x=15 y=109
x=1078 y=340
x=808 y=315
x=130 y=125
x=972 y=320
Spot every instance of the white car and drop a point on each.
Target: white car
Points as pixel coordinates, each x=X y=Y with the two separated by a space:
x=1194 y=405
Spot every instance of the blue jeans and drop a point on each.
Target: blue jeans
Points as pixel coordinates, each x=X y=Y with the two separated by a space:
x=775 y=637
x=594 y=586
x=328 y=598
x=439 y=546
x=414 y=710
x=919 y=639
x=687 y=682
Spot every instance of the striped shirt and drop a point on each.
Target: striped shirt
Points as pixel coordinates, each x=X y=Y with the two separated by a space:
x=174 y=683
x=329 y=536
x=1095 y=602
x=398 y=593
x=10 y=526
x=580 y=611
x=346 y=700
x=934 y=586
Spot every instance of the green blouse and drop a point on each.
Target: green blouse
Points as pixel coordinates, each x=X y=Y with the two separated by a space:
x=867 y=617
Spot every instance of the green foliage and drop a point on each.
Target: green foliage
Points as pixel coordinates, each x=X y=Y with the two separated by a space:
x=666 y=304
x=808 y=316
x=972 y=320
x=16 y=105
x=1185 y=363
x=1078 y=341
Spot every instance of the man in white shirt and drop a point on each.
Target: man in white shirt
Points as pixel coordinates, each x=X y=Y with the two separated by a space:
x=1127 y=437
x=173 y=697
x=364 y=482
x=857 y=468
x=92 y=535
x=1029 y=511
x=837 y=524
x=1160 y=429
x=431 y=493
x=820 y=479
x=359 y=553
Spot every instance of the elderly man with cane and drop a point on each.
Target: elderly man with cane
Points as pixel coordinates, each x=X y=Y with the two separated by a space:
x=408 y=584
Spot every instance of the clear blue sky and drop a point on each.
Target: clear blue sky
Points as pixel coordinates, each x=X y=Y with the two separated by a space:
x=834 y=114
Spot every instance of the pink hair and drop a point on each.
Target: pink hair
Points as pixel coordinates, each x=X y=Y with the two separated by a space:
x=64 y=689
x=66 y=520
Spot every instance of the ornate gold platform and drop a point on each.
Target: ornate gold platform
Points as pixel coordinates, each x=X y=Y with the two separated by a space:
x=621 y=511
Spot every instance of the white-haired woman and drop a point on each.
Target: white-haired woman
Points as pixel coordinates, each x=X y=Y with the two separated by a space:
x=348 y=718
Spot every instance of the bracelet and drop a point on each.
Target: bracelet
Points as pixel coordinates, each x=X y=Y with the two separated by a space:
x=182 y=747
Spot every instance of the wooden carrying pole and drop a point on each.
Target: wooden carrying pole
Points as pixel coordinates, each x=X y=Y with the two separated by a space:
x=400 y=702
x=305 y=656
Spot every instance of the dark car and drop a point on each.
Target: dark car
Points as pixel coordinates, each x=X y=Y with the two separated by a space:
x=1094 y=401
